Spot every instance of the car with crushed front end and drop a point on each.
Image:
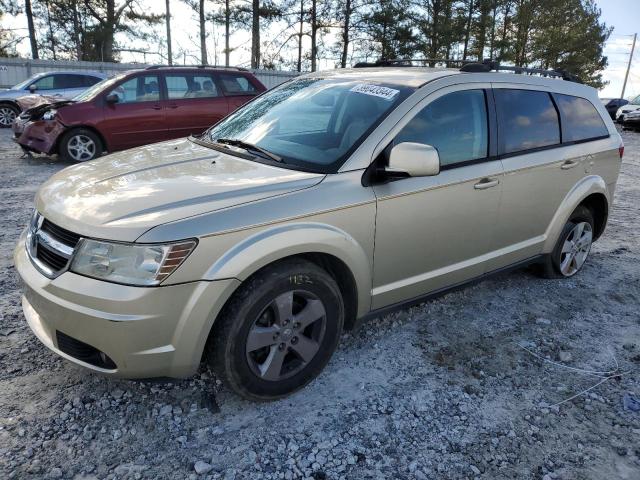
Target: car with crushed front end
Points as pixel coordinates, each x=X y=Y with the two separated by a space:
x=63 y=85
x=135 y=108
x=332 y=198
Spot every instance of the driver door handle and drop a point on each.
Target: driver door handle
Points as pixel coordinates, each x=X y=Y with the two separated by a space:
x=486 y=183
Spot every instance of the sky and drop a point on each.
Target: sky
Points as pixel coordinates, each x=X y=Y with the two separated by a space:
x=622 y=15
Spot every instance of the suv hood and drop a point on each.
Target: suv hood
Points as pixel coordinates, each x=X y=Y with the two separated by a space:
x=121 y=196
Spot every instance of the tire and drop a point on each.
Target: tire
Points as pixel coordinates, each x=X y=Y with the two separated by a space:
x=80 y=145
x=8 y=113
x=251 y=337
x=575 y=240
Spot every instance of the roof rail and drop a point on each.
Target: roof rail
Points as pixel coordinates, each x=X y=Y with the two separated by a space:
x=222 y=67
x=407 y=62
x=471 y=66
x=492 y=66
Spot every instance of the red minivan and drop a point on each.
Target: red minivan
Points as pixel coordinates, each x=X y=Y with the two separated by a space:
x=135 y=108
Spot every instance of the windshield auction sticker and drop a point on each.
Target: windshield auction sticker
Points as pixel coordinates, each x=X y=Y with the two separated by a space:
x=376 y=91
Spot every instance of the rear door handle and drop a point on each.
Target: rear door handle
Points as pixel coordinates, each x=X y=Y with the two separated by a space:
x=157 y=107
x=173 y=106
x=486 y=183
x=568 y=164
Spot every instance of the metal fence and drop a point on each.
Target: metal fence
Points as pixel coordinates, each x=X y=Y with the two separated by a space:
x=15 y=70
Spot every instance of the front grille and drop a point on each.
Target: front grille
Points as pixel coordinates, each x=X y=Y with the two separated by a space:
x=84 y=352
x=50 y=259
x=60 y=234
x=50 y=246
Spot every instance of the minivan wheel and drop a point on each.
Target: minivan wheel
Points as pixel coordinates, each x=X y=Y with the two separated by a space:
x=573 y=246
x=8 y=114
x=278 y=331
x=80 y=145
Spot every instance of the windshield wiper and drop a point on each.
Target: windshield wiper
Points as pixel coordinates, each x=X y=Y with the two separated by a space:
x=249 y=146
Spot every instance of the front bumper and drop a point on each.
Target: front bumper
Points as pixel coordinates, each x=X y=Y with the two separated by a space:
x=146 y=332
x=39 y=136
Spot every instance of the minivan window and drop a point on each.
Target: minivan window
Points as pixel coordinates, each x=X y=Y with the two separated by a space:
x=144 y=88
x=580 y=120
x=237 y=84
x=455 y=124
x=527 y=119
x=312 y=123
x=186 y=85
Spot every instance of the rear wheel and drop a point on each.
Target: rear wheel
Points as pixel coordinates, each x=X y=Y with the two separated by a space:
x=8 y=114
x=573 y=245
x=278 y=331
x=80 y=145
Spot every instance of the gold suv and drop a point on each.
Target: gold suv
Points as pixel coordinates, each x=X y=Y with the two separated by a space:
x=334 y=197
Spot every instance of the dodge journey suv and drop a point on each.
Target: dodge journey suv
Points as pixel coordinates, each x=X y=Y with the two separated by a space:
x=335 y=197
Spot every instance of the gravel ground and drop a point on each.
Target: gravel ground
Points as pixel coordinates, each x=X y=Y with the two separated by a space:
x=460 y=387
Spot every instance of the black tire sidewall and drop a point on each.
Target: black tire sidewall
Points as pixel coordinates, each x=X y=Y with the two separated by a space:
x=237 y=369
x=64 y=152
x=581 y=214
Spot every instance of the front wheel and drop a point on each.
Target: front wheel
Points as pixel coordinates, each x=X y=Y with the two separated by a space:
x=80 y=145
x=8 y=114
x=573 y=245
x=278 y=331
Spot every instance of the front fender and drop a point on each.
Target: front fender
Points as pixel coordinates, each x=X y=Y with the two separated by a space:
x=585 y=187
x=268 y=246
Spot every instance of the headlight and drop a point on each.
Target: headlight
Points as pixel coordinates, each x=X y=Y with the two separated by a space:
x=49 y=114
x=130 y=263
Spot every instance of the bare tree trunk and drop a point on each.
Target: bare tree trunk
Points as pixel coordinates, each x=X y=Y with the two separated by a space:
x=492 y=39
x=52 y=39
x=203 y=36
x=255 y=35
x=314 y=36
x=345 y=33
x=300 y=36
x=76 y=32
x=168 y=21
x=227 y=21
x=467 y=33
x=32 y=30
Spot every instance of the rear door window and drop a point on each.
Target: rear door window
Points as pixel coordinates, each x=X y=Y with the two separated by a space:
x=580 y=120
x=455 y=124
x=186 y=85
x=237 y=84
x=89 y=80
x=144 y=88
x=527 y=119
x=67 y=80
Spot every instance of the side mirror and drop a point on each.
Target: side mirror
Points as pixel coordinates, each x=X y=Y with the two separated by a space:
x=112 y=98
x=414 y=160
x=33 y=87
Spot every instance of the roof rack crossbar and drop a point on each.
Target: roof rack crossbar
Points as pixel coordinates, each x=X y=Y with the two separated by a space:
x=223 y=67
x=471 y=66
x=492 y=66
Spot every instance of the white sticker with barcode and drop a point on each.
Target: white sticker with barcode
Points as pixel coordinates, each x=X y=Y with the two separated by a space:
x=376 y=91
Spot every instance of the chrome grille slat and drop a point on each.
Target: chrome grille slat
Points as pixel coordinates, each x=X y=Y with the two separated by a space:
x=50 y=247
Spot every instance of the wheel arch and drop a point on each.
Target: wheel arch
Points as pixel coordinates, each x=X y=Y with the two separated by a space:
x=590 y=191
x=81 y=127
x=327 y=246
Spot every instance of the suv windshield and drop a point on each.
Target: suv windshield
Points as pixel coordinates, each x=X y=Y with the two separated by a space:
x=311 y=123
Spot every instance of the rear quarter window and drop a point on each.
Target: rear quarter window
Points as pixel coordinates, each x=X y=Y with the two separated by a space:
x=233 y=84
x=580 y=119
x=527 y=120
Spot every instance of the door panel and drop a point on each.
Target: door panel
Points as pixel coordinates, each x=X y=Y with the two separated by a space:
x=432 y=232
x=535 y=182
x=139 y=116
x=194 y=103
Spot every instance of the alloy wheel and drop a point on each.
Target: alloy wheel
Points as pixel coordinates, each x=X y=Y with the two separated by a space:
x=575 y=249
x=7 y=116
x=81 y=148
x=286 y=336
